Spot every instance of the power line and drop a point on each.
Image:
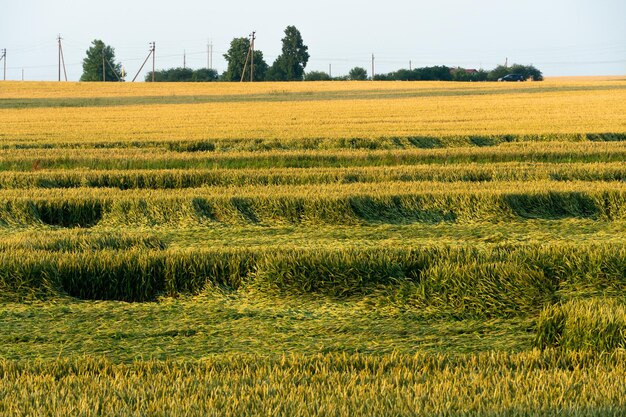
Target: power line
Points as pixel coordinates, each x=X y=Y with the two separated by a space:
x=597 y=54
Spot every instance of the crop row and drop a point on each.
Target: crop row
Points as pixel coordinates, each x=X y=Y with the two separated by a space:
x=512 y=384
x=347 y=204
x=436 y=280
x=321 y=143
x=557 y=152
x=195 y=178
x=79 y=240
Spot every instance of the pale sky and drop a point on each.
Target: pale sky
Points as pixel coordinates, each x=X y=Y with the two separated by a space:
x=573 y=37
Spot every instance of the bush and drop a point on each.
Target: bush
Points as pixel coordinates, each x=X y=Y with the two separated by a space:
x=528 y=71
x=357 y=74
x=183 y=75
x=316 y=76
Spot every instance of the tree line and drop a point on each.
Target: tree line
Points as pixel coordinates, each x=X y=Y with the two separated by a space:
x=290 y=65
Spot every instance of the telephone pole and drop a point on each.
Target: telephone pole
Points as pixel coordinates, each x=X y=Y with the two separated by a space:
x=252 y=37
x=330 y=70
x=249 y=57
x=59 y=40
x=209 y=55
x=104 y=73
x=4 y=60
x=152 y=51
x=61 y=58
x=152 y=47
x=372 y=67
x=410 y=65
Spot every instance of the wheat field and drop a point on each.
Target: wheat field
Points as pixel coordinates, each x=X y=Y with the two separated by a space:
x=331 y=248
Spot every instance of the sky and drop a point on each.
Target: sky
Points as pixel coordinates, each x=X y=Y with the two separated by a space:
x=560 y=37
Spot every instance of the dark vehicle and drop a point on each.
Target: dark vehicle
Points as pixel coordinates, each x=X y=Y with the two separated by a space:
x=513 y=77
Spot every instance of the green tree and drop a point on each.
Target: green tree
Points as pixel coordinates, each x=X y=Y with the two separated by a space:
x=528 y=71
x=204 y=75
x=171 y=75
x=236 y=58
x=498 y=72
x=183 y=75
x=92 y=64
x=290 y=64
x=357 y=74
x=316 y=76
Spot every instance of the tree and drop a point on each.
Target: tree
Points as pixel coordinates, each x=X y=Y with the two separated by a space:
x=182 y=75
x=316 y=76
x=357 y=74
x=461 y=74
x=290 y=64
x=498 y=72
x=92 y=64
x=236 y=58
x=405 y=75
x=528 y=71
x=171 y=75
x=204 y=75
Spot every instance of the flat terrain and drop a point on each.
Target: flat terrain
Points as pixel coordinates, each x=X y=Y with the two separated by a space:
x=340 y=248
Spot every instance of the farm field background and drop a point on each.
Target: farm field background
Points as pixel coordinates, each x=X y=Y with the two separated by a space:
x=341 y=248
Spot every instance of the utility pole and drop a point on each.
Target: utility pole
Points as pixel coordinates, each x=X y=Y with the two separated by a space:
x=113 y=70
x=249 y=55
x=330 y=70
x=59 y=40
x=104 y=73
x=506 y=62
x=61 y=58
x=184 y=59
x=152 y=50
x=252 y=37
x=372 y=67
x=245 y=65
x=209 y=55
x=22 y=74
x=410 y=66
x=152 y=44
x=4 y=59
